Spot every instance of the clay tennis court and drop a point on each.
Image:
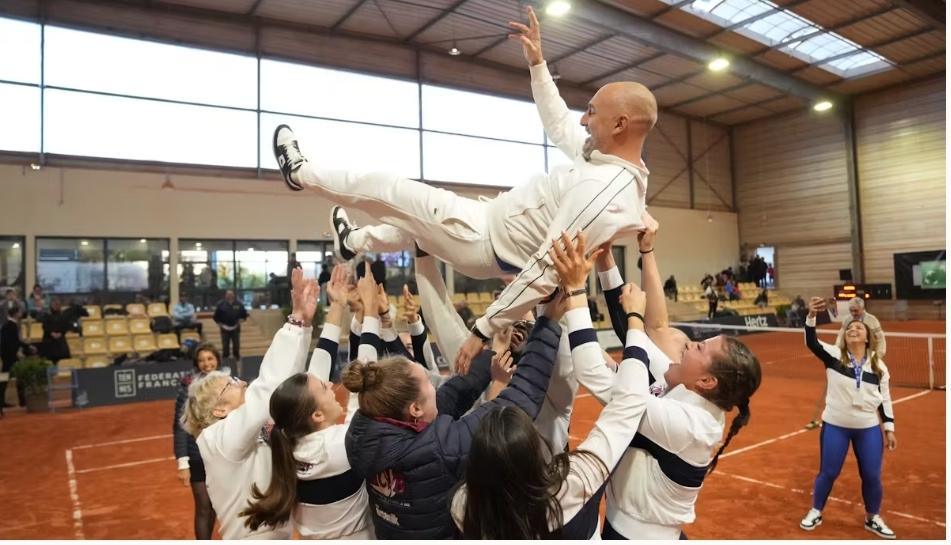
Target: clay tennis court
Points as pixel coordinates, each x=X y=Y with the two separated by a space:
x=108 y=473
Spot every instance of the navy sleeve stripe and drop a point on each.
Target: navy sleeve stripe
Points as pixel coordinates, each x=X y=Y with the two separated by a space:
x=327 y=346
x=885 y=417
x=636 y=352
x=373 y=340
x=582 y=336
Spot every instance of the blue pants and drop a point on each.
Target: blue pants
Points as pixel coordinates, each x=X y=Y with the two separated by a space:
x=868 y=446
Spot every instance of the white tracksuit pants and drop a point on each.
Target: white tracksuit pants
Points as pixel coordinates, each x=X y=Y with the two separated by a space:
x=452 y=228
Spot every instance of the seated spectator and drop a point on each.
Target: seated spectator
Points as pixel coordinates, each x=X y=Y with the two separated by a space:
x=670 y=288
x=762 y=300
x=183 y=316
x=732 y=293
x=38 y=304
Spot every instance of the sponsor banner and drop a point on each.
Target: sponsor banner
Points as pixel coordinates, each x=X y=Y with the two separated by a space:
x=754 y=320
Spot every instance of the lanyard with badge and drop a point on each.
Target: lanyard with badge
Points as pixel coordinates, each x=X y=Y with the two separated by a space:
x=857 y=396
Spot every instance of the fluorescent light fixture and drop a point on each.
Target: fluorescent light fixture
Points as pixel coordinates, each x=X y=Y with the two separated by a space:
x=84 y=243
x=822 y=106
x=198 y=245
x=557 y=8
x=35 y=166
x=250 y=249
x=719 y=64
x=142 y=241
x=16 y=245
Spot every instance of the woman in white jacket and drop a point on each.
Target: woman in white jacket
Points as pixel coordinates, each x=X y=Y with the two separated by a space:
x=228 y=418
x=312 y=480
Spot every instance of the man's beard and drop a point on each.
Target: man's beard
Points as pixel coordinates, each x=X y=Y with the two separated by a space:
x=587 y=148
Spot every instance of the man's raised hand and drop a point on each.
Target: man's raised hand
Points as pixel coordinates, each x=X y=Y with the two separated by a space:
x=530 y=37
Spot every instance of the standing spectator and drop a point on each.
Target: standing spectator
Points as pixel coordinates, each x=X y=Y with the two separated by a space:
x=9 y=301
x=228 y=315
x=292 y=264
x=10 y=347
x=711 y=294
x=857 y=312
x=770 y=274
x=55 y=325
x=707 y=280
x=670 y=288
x=38 y=304
x=183 y=316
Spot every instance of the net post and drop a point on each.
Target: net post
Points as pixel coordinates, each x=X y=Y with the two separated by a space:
x=931 y=363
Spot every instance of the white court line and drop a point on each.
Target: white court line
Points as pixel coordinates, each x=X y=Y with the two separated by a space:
x=136 y=440
x=74 y=495
x=128 y=464
x=797 y=432
x=579 y=396
x=831 y=498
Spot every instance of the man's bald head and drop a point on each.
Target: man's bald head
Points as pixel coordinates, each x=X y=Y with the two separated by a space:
x=618 y=118
x=633 y=100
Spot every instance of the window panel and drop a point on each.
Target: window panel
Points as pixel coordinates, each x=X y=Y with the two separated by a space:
x=11 y=264
x=19 y=51
x=347 y=146
x=65 y=265
x=313 y=256
x=123 y=128
x=19 y=118
x=205 y=265
x=477 y=114
x=137 y=265
x=556 y=157
x=463 y=159
x=322 y=92
x=257 y=260
x=100 y=62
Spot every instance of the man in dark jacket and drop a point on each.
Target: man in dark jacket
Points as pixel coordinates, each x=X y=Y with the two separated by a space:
x=10 y=347
x=411 y=469
x=228 y=315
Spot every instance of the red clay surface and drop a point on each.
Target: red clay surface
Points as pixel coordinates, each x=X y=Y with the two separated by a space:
x=760 y=493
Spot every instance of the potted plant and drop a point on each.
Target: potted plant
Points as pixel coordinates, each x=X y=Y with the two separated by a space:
x=31 y=375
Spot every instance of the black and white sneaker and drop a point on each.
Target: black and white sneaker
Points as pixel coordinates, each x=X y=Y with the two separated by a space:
x=288 y=155
x=812 y=520
x=341 y=227
x=878 y=527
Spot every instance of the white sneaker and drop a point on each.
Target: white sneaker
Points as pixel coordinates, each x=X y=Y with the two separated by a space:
x=342 y=226
x=878 y=527
x=812 y=520
x=288 y=155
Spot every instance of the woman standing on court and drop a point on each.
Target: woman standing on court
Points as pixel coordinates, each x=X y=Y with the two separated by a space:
x=856 y=397
x=228 y=418
x=311 y=479
x=191 y=470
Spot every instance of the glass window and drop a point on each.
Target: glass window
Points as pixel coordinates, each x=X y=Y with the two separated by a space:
x=19 y=118
x=313 y=255
x=70 y=265
x=260 y=263
x=321 y=92
x=205 y=270
x=11 y=264
x=19 y=51
x=138 y=265
x=463 y=159
x=478 y=114
x=556 y=157
x=100 y=62
x=124 y=128
x=347 y=146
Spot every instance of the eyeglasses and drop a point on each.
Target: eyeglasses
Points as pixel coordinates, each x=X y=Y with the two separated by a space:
x=231 y=381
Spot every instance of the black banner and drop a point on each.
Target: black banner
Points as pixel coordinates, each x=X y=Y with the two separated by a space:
x=754 y=320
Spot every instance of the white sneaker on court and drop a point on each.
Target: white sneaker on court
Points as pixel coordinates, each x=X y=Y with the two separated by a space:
x=812 y=520
x=341 y=226
x=288 y=155
x=878 y=527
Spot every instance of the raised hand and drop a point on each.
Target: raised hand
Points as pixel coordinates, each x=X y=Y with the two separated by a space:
x=411 y=309
x=605 y=261
x=633 y=298
x=530 y=37
x=311 y=298
x=469 y=350
x=503 y=367
x=557 y=307
x=572 y=266
x=367 y=290
x=338 y=288
x=502 y=340
x=816 y=305
x=645 y=238
x=382 y=301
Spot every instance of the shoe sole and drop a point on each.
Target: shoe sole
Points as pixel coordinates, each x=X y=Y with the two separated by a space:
x=287 y=178
x=338 y=250
x=879 y=534
x=810 y=528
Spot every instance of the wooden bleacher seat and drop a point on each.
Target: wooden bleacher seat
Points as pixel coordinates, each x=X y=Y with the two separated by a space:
x=111 y=307
x=95 y=346
x=168 y=340
x=72 y=335
x=144 y=343
x=93 y=328
x=140 y=326
x=117 y=326
x=75 y=346
x=36 y=331
x=95 y=313
x=67 y=365
x=135 y=309
x=458 y=297
x=120 y=344
x=100 y=360
x=157 y=309
x=485 y=297
x=472 y=298
x=190 y=335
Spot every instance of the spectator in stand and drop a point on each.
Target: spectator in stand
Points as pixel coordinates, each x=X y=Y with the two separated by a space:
x=762 y=300
x=9 y=301
x=228 y=315
x=55 y=325
x=465 y=313
x=38 y=304
x=770 y=274
x=711 y=294
x=183 y=316
x=10 y=347
x=670 y=288
x=732 y=292
x=707 y=280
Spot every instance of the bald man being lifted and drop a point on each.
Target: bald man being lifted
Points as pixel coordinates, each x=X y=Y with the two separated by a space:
x=601 y=193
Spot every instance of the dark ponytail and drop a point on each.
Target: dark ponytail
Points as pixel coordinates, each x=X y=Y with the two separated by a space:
x=291 y=407
x=738 y=377
x=740 y=420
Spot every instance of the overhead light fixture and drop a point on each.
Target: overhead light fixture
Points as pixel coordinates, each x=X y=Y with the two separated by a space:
x=557 y=8
x=454 y=51
x=142 y=241
x=250 y=249
x=709 y=217
x=822 y=105
x=16 y=245
x=84 y=243
x=719 y=64
x=35 y=166
x=198 y=245
x=555 y=74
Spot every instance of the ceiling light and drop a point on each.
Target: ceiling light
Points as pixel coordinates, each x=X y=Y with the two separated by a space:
x=555 y=74
x=84 y=243
x=822 y=105
x=142 y=241
x=35 y=166
x=198 y=245
x=719 y=64
x=557 y=8
x=250 y=249
x=454 y=51
x=16 y=245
